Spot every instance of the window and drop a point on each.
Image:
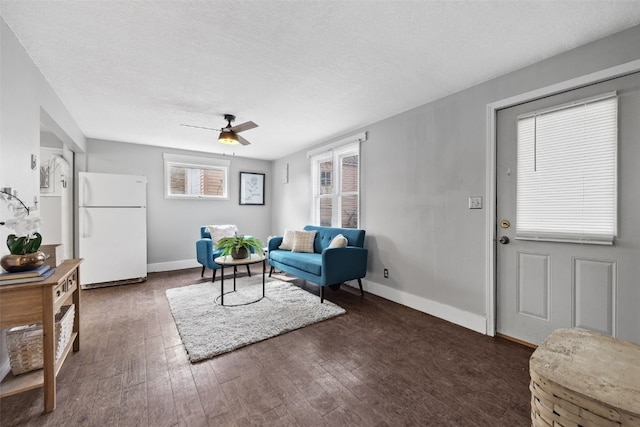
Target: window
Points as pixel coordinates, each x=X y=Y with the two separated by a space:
x=190 y=177
x=325 y=178
x=567 y=172
x=336 y=184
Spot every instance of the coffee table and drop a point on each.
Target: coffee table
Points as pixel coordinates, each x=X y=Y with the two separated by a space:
x=228 y=261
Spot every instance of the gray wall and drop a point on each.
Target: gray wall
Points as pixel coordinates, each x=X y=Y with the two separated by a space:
x=291 y=201
x=173 y=226
x=27 y=99
x=419 y=169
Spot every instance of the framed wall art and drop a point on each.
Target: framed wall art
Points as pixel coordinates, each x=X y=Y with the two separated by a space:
x=251 y=188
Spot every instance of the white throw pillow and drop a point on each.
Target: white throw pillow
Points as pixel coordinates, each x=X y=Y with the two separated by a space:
x=338 y=242
x=287 y=239
x=219 y=231
x=303 y=241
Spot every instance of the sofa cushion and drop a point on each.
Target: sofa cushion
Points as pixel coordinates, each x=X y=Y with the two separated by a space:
x=355 y=237
x=288 y=239
x=309 y=262
x=303 y=241
x=338 y=242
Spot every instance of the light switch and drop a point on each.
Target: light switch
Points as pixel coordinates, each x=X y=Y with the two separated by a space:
x=475 y=202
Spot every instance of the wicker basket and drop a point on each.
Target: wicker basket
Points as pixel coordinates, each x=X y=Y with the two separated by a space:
x=551 y=405
x=24 y=343
x=581 y=378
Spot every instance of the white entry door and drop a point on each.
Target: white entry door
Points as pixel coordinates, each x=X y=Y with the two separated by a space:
x=545 y=285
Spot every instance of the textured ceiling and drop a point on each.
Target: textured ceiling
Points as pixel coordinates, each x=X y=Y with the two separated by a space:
x=304 y=71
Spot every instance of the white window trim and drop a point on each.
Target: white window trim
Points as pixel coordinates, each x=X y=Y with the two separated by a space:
x=316 y=160
x=336 y=150
x=198 y=163
x=360 y=137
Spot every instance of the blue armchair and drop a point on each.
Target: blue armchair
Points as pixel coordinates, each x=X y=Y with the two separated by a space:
x=206 y=252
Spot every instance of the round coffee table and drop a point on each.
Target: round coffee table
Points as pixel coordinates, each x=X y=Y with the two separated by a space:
x=228 y=261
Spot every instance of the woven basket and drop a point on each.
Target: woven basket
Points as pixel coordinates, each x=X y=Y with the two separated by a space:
x=24 y=343
x=552 y=405
x=583 y=378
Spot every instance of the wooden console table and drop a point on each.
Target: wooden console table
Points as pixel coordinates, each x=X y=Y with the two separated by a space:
x=38 y=302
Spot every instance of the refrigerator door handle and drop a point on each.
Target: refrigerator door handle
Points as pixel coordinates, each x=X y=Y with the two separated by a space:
x=85 y=224
x=84 y=186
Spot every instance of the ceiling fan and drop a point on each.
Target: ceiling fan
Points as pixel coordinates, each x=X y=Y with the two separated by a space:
x=229 y=134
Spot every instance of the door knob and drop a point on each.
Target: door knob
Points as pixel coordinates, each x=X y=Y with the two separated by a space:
x=504 y=240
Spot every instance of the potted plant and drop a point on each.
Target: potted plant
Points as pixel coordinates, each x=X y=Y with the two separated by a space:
x=25 y=242
x=239 y=247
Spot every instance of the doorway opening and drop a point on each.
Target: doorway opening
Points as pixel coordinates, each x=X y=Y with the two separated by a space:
x=56 y=192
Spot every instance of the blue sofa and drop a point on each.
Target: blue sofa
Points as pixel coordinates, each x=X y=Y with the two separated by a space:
x=326 y=266
x=206 y=253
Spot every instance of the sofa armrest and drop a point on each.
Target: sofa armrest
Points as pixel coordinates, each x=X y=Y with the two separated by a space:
x=342 y=264
x=274 y=243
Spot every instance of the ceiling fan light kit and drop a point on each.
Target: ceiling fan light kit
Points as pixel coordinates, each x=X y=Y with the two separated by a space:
x=228 y=137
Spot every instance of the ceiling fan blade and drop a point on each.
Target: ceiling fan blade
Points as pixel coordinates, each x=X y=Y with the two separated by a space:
x=244 y=126
x=200 y=127
x=242 y=141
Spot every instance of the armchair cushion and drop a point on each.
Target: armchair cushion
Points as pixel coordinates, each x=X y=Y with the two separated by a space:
x=217 y=232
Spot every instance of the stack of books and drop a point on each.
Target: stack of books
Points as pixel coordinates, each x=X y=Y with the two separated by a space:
x=36 y=275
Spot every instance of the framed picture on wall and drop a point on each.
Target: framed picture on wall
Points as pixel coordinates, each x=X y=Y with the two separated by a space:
x=251 y=188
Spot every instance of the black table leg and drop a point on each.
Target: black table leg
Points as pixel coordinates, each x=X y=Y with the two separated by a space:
x=222 y=286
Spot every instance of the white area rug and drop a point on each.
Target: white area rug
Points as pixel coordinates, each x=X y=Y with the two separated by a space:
x=208 y=329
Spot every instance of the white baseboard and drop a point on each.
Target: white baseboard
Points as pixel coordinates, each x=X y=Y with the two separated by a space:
x=451 y=314
x=172 y=265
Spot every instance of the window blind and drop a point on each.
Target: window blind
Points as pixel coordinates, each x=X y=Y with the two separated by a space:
x=567 y=172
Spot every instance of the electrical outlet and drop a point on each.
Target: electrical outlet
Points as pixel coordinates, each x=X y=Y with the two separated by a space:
x=475 y=202
x=386 y=273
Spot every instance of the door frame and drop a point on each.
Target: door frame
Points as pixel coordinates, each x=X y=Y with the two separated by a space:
x=491 y=178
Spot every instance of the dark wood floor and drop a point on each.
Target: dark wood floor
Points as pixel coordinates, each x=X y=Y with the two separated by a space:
x=381 y=364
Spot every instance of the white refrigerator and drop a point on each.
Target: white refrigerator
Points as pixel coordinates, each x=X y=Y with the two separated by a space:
x=113 y=229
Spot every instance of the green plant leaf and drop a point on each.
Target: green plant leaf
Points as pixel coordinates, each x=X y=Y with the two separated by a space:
x=23 y=245
x=16 y=244
x=227 y=244
x=32 y=245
